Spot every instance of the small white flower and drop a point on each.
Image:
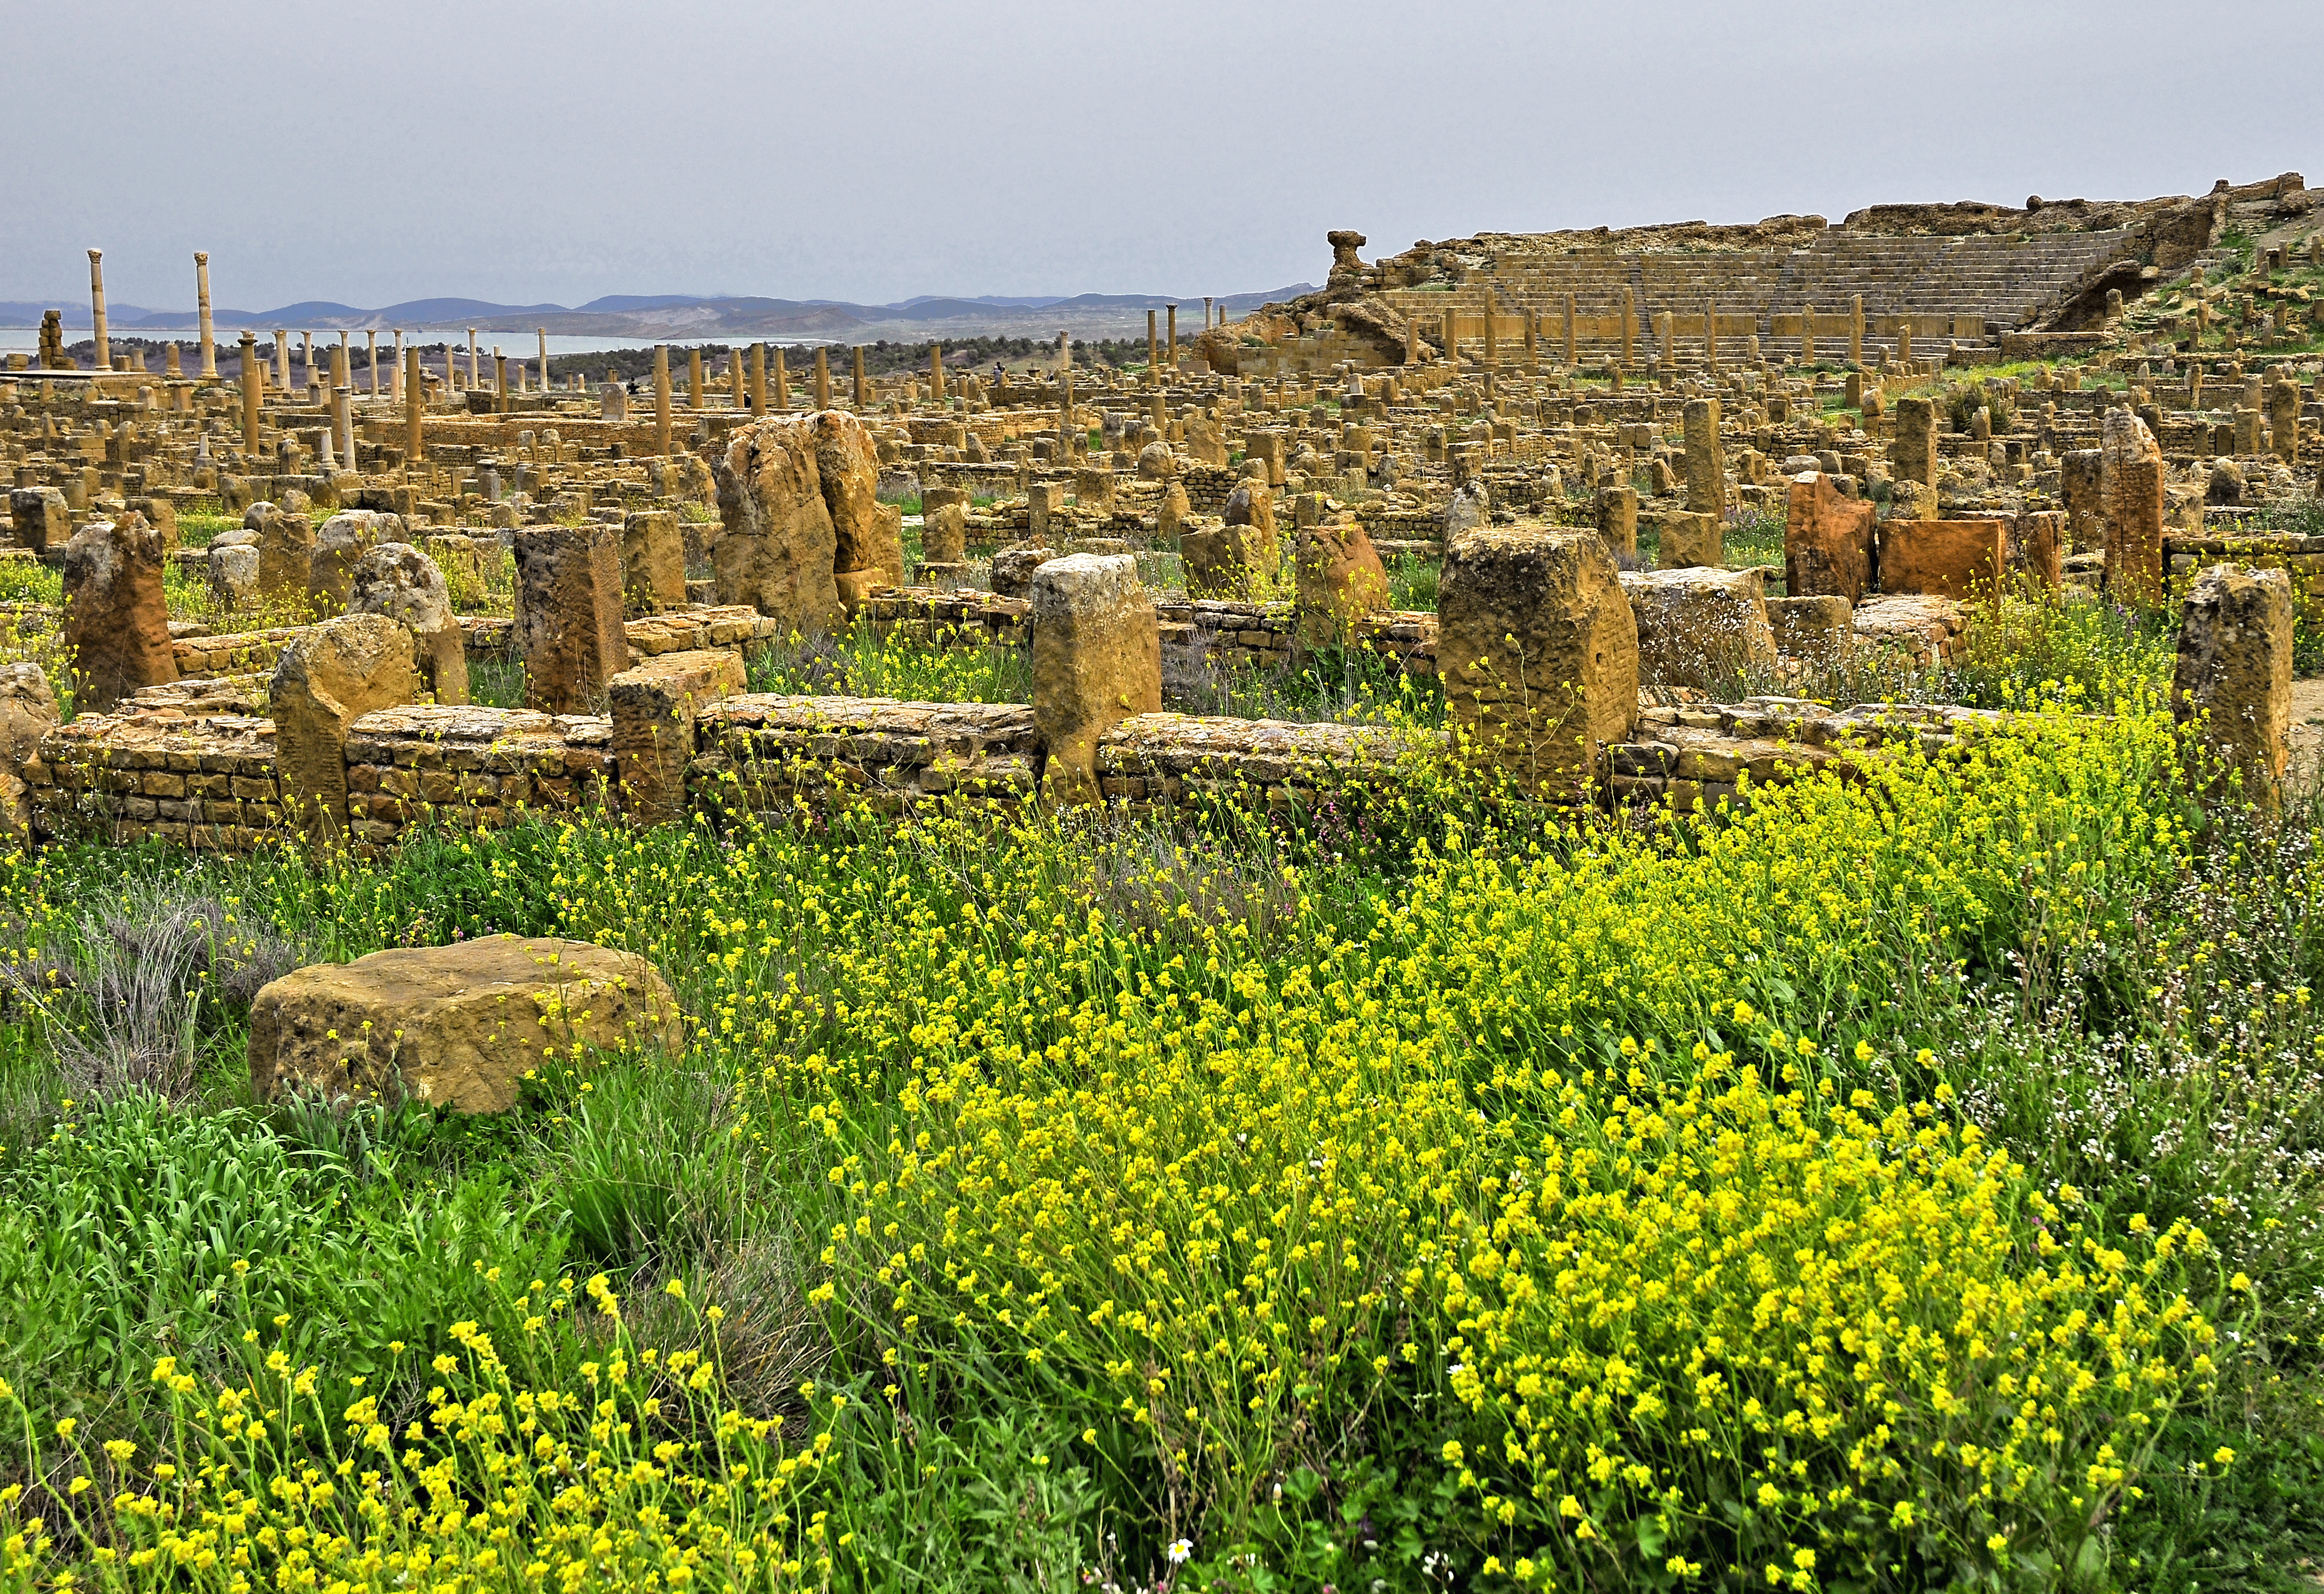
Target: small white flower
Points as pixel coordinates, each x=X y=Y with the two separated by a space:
x=1179 y=1550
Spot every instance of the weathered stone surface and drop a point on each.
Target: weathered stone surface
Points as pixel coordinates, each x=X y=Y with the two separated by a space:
x=457 y=1026
x=654 y=710
x=232 y=563
x=116 y=618
x=568 y=614
x=2132 y=483
x=1013 y=567
x=1155 y=462
x=1700 y=627
x=397 y=580
x=653 y=562
x=1949 y=558
x=1097 y=660
x=286 y=552
x=1706 y=463
x=1252 y=505
x=1826 y=540
x=340 y=544
x=28 y=712
x=2232 y=678
x=462 y=563
x=1170 y=519
x=41 y=518
x=1815 y=630
x=779 y=546
x=1688 y=540
x=2079 y=474
x=1539 y=652
x=332 y=675
x=2037 y=545
x=1913 y=456
x=1222 y=561
x=1340 y=580
x=944 y=534
x=1617 y=518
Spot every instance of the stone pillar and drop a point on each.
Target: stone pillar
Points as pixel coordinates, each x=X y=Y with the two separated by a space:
x=283 y=359
x=1711 y=337
x=1912 y=457
x=474 y=380
x=735 y=364
x=1706 y=463
x=1827 y=540
x=97 y=307
x=661 y=398
x=370 y=356
x=2232 y=682
x=654 y=709
x=783 y=383
x=694 y=379
x=116 y=621
x=1154 y=351
x=1569 y=331
x=500 y=384
x=1807 y=334
x=1856 y=330
x=1492 y=354
x=1904 y=340
x=936 y=372
x=397 y=580
x=2079 y=474
x=2248 y=427
x=202 y=308
x=250 y=381
x=1617 y=518
x=1540 y=653
x=330 y=676
x=1171 y=356
x=2132 y=479
x=822 y=378
x=568 y=613
x=343 y=425
x=863 y=382
x=1453 y=337
x=415 y=406
x=1533 y=340
x=2283 y=419
x=653 y=562
x=1097 y=660
x=759 y=378
x=1068 y=422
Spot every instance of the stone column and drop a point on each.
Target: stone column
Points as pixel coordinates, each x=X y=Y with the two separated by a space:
x=862 y=381
x=782 y=381
x=661 y=398
x=1154 y=351
x=1617 y=518
x=1533 y=340
x=1856 y=330
x=306 y=363
x=542 y=334
x=2232 y=681
x=283 y=359
x=1807 y=334
x=734 y=362
x=1711 y=336
x=1706 y=468
x=1903 y=340
x=202 y=307
x=2130 y=487
x=343 y=422
x=1065 y=341
x=500 y=383
x=1453 y=337
x=1171 y=357
x=759 y=378
x=694 y=379
x=1412 y=339
x=2283 y=419
x=1569 y=331
x=343 y=363
x=1492 y=357
x=1667 y=323
x=370 y=356
x=822 y=378
x=936 y=372
x=1097 y=660
x=1540 y=653
x=1066 y=421
x=97 y=307
x=569 y=614
x=1914 y=455
x=250 y=381
x=415 y=405
x=473 y=368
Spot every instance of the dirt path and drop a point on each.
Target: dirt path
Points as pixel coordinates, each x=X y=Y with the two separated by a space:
x=2307 y=722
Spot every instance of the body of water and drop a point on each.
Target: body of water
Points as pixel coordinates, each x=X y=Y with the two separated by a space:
x=516 y=345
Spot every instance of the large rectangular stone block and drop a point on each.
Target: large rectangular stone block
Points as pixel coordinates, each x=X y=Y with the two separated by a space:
x=568 y=614
x=1826 y=540
x=1097 y=660
x=1946 y=558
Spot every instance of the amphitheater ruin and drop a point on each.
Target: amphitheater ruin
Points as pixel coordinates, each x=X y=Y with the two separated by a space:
x=2096 y=400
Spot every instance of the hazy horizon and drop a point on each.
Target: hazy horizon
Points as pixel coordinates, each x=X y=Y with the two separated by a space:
x=362 y=156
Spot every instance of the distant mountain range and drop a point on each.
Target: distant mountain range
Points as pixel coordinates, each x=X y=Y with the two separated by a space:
x=682 y=318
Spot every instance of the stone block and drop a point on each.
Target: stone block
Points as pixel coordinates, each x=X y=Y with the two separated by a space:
x=286 y=551
x=653 y=562
x=1690 y=540
x=1706 y=463
x=1097 y=660
x=2232 y=681
x=780 y=544
x=1340 y=580
x=654 y=710
x=40 y=518
x=1912 y=457
x=117 y=620
x=2037 y=545
x=1815 y=630
x=330 y=676
x=456 y=1026
x=1947 y=559
x=1701 y=628
x=1013 y=568
x=1826 y=540
x=568 y=614
x=2133 y=500
x=1539 y=654
x=1618 y=519
x=397 y=580
x=1223 y=561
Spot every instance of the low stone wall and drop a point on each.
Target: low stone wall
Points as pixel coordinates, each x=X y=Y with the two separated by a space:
x=2300 y=557
x=761 y=753
x=1163 y=759
x=1683 y=754
x=472 y=766
x=232 y=654
x=206 y=783
x=963 y=617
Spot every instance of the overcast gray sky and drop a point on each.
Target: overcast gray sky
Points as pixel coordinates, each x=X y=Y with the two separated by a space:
x=868 y=151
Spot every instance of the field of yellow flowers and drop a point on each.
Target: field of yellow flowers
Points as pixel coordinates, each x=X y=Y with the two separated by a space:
x=1911 y=1183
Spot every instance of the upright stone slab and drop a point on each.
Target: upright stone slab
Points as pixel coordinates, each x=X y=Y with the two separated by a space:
x=2232 y=684
x=943 y=533
x=568 y=614
x=397 y=580
x=1912 y=457
x=28 y=712
x=1706 y=463
x=1701 y=628
x=1826 y=540
x=2283 y=419
x=286 y=553
x=330 y=676
x=782 y=543
x=1340 y=580
x=40 y=517
x=1688 y=540
x=653 y=562
x=340 y=544
x=1944 y=558
x=1618 y=519
x=2132 y=483
x=2078 y=475
x=1540 y=653
x=116 y=621
x=654 y=708
x=1097 y=660
x=2037 y=545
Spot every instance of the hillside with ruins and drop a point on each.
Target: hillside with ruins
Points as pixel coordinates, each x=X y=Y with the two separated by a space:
x=1595 y=910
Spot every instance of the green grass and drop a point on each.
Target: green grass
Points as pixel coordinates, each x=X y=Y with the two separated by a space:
x=858 y=662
